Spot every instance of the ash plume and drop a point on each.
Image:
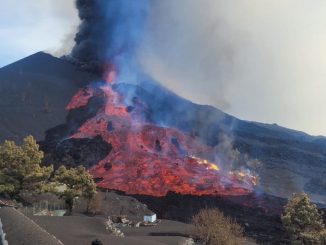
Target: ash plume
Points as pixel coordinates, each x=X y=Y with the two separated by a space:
x=90 y=40
x=110 y=31
x=142 y=37
x=127 y=32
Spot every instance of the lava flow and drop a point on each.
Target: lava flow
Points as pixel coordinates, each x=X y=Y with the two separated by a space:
x=149 y=159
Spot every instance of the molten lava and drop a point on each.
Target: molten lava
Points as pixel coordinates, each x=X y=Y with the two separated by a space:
x=149 y=159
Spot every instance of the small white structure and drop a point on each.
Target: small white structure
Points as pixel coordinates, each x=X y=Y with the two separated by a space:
x=150 y=218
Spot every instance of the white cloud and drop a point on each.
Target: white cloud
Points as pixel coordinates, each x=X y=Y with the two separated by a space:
x=27 y=27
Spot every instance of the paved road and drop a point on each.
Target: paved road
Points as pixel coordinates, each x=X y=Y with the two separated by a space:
x=21 y=230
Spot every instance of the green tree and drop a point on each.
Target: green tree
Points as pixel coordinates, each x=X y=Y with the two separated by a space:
x=213 y=228
x=302 y=220
x=20 y=168
x=76 y=182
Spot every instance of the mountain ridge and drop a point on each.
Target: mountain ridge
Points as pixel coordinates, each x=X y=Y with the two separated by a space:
x=292 y=160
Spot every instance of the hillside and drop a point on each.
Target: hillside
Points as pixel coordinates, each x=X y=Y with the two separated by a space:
x=292 y=161
x=35 y=91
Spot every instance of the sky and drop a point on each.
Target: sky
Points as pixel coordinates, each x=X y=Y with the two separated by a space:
x=30 y=26
x=259 y=60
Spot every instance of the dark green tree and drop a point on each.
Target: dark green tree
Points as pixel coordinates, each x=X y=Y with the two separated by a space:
x=74 y=182
x=302 y=220
x=20 y=168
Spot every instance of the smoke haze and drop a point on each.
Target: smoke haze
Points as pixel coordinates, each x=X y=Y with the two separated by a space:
x=259 y=60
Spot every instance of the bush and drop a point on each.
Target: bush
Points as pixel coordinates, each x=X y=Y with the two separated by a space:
x=95 y=204
x=213 y=228
x=303 y=222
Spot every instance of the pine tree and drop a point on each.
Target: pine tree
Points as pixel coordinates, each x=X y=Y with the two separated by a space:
x=77 y=182
x=303 y=221
x=20 y=168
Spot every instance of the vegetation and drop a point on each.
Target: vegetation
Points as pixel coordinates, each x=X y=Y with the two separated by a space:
x=95 y=204
x=20 y=168
x=213 y=228
x=77 y=182
x=303 y=221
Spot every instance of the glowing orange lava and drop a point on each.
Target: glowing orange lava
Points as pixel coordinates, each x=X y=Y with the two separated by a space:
x=149 y=159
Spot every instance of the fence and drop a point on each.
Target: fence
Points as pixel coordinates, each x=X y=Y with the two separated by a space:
x=46 y=208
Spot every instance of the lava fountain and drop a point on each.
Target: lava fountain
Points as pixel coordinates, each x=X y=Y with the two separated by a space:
x=149 y=159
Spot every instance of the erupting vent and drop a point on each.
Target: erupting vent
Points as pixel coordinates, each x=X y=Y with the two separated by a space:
x=149 y=159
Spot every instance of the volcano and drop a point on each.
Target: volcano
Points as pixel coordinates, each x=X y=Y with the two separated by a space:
x=147 y=158
x=152 y=124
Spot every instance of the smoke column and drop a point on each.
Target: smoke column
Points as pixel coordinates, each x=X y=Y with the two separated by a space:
x=141 y=36
x=123 y=33
x=110 y=31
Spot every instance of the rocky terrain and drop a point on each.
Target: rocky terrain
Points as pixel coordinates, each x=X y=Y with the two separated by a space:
x=36 y=90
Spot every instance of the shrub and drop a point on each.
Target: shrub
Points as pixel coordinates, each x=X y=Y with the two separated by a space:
x=213 y=228
x=95 y=204
x=302 y=220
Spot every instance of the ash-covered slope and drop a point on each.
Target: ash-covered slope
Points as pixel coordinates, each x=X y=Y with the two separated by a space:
x=34 y=92
x=291 y=161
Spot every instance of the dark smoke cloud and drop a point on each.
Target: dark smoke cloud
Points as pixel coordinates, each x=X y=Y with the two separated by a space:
x=90 y=40
x=110 y=31
x=157 y=38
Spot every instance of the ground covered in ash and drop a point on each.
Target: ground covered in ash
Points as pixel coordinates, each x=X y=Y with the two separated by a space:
x=82 y=229
x=34 y=92
x=259 y=215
